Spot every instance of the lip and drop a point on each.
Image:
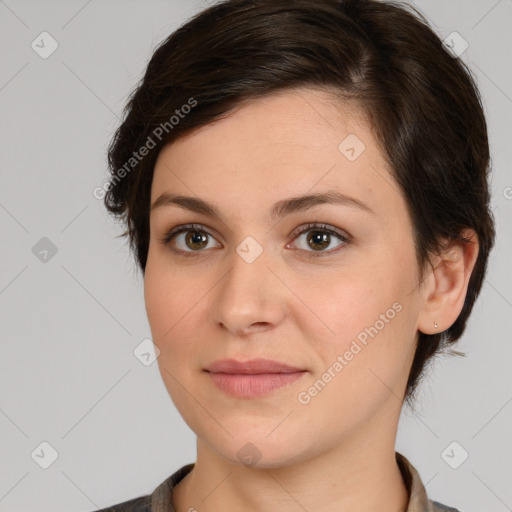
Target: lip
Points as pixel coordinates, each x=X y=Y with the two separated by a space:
x=248 y=379
x=252 y=367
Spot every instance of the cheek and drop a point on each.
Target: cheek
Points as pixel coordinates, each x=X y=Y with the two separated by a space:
x=365 y=362
x=176 y=303
x=169 y=301
x=344 y=301
x=169 y=294
x=365 y=315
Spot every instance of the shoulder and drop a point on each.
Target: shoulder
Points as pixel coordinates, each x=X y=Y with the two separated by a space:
x=439 y=507
x=140 y=504
x=162 y=494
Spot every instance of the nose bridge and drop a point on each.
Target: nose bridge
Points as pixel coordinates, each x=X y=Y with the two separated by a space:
x=249 y=293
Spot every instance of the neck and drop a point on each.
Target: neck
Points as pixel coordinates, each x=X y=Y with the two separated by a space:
x=358 y=476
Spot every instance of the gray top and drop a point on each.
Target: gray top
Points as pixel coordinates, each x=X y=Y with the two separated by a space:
x=160 y=500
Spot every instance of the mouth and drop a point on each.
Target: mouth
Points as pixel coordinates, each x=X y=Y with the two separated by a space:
x=256 y=377
x=252 y=367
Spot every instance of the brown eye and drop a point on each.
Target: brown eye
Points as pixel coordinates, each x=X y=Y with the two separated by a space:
x=320 y=237
x=188 y=240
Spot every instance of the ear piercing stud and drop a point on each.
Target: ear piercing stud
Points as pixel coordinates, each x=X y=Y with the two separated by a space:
x=435 y=325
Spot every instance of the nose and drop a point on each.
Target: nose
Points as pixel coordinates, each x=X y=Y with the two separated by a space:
x=250 y=298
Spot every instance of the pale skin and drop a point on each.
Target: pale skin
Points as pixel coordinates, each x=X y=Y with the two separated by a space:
x=337 y=452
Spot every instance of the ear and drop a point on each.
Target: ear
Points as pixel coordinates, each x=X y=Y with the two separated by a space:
x=444 y=289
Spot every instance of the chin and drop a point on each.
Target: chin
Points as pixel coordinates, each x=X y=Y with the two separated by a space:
x=259 y=452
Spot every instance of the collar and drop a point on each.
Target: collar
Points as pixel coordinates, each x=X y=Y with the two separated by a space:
x=161 y=499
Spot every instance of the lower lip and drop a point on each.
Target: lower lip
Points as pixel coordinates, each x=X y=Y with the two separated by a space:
x=247 y=386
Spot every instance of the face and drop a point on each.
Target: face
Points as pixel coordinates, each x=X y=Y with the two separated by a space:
x=327 y=287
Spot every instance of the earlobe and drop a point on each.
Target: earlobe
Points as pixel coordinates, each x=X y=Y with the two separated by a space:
x=447 y=285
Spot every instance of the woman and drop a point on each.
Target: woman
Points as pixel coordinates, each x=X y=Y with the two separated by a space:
x=304 y=186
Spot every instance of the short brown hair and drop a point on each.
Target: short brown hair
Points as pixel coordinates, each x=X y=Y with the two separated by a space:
x=421 y=101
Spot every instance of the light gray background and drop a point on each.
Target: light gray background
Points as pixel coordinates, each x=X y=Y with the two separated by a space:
x=68 y=375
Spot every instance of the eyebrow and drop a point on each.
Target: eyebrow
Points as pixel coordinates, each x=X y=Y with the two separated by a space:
x=280 y=209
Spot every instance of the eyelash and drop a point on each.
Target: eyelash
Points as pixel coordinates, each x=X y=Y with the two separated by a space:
x=171 y=234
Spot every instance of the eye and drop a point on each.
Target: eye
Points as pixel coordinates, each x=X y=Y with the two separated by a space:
x=194 y=237
x=320 y=238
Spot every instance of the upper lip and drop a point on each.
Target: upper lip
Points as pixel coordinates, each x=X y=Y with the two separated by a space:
x=253 y=366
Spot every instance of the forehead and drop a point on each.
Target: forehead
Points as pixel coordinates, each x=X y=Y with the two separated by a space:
x=282 y=145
